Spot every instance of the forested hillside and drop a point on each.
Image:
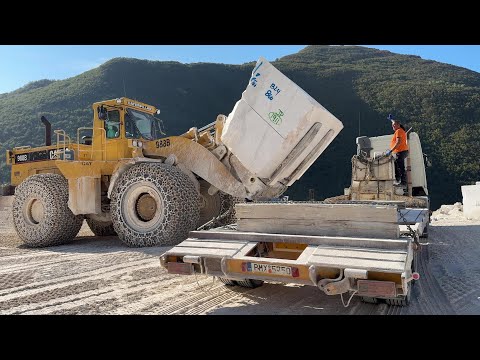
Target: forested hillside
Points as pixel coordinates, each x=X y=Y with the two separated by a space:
x=358 y=85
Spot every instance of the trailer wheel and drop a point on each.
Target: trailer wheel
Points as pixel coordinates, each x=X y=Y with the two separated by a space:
x=399 y=301
x=101 y=228
x=250 y=283
x=425 y=232
x=228 y=282
x=370 y=300
x=215 y=205
x=154 y=204
x=40 y=211
x=414 y=265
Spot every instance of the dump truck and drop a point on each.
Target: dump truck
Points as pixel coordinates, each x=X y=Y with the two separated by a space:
x=125 y=177
x=364 y=243
x=373 y=173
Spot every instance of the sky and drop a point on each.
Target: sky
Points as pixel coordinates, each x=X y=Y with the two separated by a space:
x=21 y=64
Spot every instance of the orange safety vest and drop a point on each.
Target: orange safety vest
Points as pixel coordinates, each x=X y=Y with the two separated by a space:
x=403 y=140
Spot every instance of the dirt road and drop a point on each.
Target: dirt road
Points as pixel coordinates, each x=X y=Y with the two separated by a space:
x=102 y=276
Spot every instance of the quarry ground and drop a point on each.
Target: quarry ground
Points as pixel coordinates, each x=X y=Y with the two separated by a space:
x=93 y=275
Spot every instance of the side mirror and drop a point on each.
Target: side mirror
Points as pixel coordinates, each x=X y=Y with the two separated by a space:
x=102 y=113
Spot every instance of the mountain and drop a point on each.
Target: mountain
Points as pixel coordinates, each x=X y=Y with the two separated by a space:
x=359 y=85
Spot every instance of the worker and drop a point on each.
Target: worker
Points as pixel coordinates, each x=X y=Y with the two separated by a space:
x=399 y=146
x=112 y=131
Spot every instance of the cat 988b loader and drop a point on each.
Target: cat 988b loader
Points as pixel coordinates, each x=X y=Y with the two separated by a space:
x=125 y=177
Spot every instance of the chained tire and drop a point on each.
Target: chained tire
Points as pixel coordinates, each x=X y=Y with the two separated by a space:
x=154 y=204
x=40 y=211
x=101 y=228
x=212 y=206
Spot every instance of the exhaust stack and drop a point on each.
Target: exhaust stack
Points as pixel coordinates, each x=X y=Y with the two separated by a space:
x=48 y=131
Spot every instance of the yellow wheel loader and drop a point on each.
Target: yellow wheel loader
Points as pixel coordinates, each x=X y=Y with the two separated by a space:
x=126 y=178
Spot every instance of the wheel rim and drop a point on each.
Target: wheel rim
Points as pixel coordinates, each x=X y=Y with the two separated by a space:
x=210 y=205
x=34 y=211
x=142 y=206
x=146 y=207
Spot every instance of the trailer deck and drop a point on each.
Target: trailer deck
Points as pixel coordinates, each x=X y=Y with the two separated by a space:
x=371 y=266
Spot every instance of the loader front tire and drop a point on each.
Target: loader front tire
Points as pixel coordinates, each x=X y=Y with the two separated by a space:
x=40 y=211
x=154 y=204
x=101 y=228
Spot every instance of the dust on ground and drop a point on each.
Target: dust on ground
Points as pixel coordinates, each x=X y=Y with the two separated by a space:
x=94 y=275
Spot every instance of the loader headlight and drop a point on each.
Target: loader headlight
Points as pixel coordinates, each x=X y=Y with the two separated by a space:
x=137 y=143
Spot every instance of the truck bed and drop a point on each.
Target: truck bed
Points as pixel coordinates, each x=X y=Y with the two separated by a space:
x=303 y=259
x=387 y=255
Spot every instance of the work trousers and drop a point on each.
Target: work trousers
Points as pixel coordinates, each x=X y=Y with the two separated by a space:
x=400 y=171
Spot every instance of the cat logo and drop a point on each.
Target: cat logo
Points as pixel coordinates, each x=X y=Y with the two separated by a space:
x=55 y=154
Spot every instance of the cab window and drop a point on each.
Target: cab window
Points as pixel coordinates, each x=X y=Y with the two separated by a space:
x=112 y=124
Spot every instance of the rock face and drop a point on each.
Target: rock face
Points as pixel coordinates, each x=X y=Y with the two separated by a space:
x=454 y=211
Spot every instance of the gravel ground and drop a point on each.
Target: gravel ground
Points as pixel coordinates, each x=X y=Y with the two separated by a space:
x=94 y=275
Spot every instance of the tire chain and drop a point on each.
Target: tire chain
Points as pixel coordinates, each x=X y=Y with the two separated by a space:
x=59 y=224
x=101 y=228
x=181 y=200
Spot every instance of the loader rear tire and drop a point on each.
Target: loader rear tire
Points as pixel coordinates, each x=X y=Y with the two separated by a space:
x=154 y=204
x=40 y=211
x=101 y=228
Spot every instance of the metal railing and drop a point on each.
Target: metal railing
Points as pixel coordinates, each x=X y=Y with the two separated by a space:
x=91 y=151
x=21 y=147
x=62 y=143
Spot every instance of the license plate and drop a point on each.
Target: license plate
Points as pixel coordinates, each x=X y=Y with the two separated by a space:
x=374 y=288
x=180 y=268
x=281 y=270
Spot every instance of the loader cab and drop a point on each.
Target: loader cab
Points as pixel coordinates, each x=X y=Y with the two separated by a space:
x=142 y=125
x=118 y=123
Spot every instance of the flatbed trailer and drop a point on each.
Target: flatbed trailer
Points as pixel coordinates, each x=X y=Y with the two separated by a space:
x=373 y=268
